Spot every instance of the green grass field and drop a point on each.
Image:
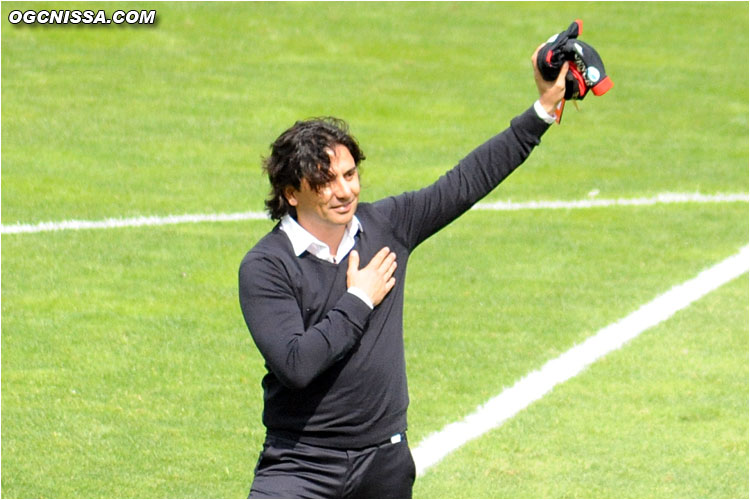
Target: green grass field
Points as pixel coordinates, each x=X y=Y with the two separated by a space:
x=127 y=370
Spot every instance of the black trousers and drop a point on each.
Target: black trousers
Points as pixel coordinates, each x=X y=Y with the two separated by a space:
x=289 y=469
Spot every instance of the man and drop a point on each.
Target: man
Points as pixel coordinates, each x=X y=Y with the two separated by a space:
x=330 y=328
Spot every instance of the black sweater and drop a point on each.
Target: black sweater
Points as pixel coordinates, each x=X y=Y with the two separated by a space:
x=336 y=370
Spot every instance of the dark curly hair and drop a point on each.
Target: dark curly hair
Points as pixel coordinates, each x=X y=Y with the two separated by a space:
x=301 y=153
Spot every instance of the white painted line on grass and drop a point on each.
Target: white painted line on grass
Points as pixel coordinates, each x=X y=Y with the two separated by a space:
x=569 y=364
x=662 y=198
x=500 y=205
x=129 y=222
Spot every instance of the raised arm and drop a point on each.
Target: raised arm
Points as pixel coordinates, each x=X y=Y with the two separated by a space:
x=419 y=214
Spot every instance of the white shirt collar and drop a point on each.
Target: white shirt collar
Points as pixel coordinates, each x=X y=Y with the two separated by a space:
x=303 y=241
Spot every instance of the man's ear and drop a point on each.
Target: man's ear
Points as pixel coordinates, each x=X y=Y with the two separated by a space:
x=289 y=194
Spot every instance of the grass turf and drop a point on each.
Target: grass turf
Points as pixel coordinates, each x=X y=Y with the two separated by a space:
x=139 y=378
x=665 y=417
x=173 y=118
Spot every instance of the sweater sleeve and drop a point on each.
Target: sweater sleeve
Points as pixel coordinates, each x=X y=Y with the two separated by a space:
x=417 y=215
x=294 y=355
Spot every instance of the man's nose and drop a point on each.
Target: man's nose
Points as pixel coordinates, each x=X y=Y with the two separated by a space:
x=341 y=188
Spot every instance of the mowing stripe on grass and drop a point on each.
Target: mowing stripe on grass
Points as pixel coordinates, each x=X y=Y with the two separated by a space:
x=569 y=364
x=500 y=205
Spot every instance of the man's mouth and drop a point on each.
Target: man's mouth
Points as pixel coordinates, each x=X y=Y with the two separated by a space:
x=344 y=207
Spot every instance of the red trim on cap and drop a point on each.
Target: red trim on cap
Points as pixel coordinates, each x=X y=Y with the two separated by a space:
x=579 y=79
x=603 y=86
x=580 y=26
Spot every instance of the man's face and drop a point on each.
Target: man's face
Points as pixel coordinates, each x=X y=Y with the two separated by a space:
x=333 y=206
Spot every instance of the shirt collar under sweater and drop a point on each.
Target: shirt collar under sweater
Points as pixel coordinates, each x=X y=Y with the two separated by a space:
x=303 y=241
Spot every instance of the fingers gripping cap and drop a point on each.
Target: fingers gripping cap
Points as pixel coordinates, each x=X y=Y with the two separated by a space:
x=551 y=57
x=586 y=69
